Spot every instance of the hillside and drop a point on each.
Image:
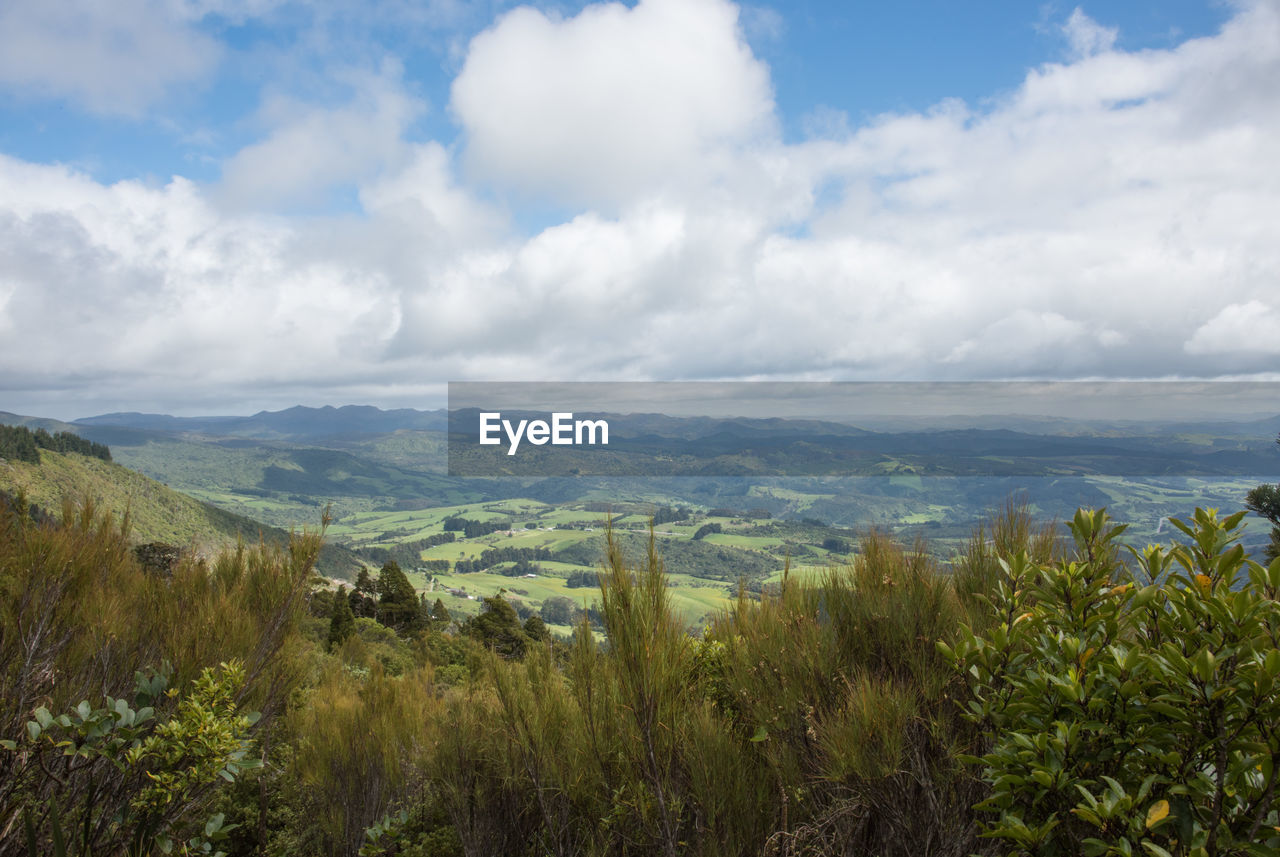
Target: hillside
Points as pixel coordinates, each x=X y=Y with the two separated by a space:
x=33 y=423
x=156 y=512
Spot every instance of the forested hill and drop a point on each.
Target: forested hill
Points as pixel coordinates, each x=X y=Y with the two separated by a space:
x=157 y=513
x=21 y=443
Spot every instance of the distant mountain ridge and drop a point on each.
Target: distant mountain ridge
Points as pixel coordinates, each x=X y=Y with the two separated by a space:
x=296 y=423
x=303 y=423
x=656 y=444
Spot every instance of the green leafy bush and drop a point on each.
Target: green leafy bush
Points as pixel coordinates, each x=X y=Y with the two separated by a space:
x=1131 y=712
x=164 y=764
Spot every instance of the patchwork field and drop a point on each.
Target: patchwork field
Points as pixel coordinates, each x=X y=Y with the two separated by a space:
x=700 y=571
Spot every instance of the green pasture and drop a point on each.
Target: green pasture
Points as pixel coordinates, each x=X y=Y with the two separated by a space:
x=764 y=544
x=692 y=602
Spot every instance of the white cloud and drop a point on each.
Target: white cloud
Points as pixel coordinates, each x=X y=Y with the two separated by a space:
x=1086 y=36
x=311 y=149
x=153 y=286
x=1037 y=344
x=116 y=57
x=428 y=204
x=1252 y=327
x=615 y=101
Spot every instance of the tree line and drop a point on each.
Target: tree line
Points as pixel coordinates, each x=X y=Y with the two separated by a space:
x=407 y=553
x=474 y=529
x=493 y=556
x=22 y=444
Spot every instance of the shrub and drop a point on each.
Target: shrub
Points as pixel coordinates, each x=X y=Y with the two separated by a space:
x=1131 y=713
x=150 y=770
x=78 y=615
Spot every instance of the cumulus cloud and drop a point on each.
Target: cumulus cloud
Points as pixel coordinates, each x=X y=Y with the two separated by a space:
x=116 y=57
x=1113 y=216
x=595 y=108
x=310 y=149
x=428 y=207
x=1252 y=327
x=153 y=286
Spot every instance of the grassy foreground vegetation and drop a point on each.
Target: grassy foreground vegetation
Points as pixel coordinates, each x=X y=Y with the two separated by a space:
x=1053 y=694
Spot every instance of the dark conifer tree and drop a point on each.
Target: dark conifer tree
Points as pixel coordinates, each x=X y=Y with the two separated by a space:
x=342 y=624
x=536 y=630
x=498 y=627
x=364 y=596
x=398 y=605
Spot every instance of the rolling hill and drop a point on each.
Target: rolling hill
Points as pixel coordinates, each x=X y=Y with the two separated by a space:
x=157 y=513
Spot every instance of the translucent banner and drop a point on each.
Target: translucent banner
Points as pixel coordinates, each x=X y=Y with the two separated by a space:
x=1040 y=429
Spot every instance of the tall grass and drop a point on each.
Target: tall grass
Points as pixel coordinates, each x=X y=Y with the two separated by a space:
x=1006 y=534
x=813 y=721
x=79 y=618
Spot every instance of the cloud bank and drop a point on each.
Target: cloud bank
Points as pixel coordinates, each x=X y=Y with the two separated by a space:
x=1113 y=216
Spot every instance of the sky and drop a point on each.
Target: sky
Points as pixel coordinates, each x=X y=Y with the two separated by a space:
x=222 y=206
